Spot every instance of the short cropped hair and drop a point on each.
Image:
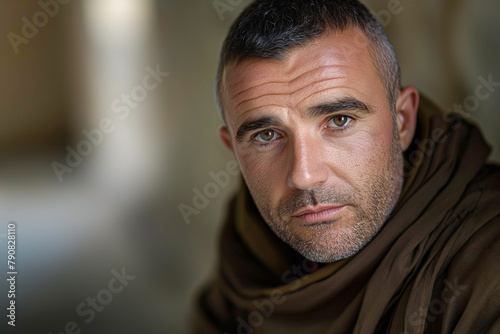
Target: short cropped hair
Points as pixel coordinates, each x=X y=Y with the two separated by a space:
x=268 y=29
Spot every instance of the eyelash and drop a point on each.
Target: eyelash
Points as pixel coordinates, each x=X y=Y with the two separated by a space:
x=264 y=144
x=333 y=130
x=343 y=128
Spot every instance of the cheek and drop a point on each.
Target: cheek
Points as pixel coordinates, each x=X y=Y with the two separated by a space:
x=260 y=170
x=360 y=157
x=264 y=163
x=255 y=165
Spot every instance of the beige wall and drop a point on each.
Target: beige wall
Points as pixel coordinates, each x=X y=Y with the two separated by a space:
x=34 y=99
x=443 y=47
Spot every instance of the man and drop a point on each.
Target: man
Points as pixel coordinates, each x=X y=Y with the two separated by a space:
x=364 y=209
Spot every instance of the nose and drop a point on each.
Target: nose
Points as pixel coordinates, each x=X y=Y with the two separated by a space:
x=307 y=167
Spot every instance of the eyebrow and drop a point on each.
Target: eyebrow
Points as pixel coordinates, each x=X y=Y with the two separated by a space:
x=344 y=104
x=254 y=124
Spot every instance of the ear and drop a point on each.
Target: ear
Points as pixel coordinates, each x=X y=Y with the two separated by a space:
x=406 y=115
x=226 y=138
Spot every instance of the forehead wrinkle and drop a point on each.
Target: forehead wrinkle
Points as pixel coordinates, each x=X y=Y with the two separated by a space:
x=304 y=87
x=311 y=87
x=324 y=74
x=324 y=90
x=259 y=107
x=289 y=82
x=256 y=86
x=260 y=97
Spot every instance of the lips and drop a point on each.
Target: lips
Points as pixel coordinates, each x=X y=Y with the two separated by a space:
x=319 y=214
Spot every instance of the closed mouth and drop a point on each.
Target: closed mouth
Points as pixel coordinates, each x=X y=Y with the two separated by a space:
x=318 y=214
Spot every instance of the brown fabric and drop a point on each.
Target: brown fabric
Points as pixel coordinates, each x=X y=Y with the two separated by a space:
x=433 y=268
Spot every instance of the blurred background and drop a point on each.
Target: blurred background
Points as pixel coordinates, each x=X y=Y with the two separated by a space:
x=108 y=128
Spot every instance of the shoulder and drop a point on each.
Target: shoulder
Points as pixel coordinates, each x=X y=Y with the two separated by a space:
x=473 y=281
x=470 y=289
x=477 y=262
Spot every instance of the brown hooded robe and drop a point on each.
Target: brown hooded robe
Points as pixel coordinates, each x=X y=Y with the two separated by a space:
x=433 y=268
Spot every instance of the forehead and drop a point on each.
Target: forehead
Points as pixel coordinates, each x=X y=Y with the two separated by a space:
x=340 y=61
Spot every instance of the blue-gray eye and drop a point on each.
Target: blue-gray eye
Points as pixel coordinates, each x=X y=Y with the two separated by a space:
x=339 y=121
x=265 y=136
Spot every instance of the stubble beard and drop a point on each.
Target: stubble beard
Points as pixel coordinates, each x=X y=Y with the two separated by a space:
x=339 y=239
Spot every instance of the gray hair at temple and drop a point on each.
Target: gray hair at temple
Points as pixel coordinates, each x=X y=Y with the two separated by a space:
x=268 y=29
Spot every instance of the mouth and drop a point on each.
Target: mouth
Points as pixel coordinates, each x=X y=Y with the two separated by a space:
x=318 y=214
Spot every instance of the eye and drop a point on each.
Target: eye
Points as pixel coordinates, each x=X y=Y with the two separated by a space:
x=266 y=136
x=339 y=121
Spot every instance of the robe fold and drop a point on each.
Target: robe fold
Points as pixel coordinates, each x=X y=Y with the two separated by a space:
x=434 y=267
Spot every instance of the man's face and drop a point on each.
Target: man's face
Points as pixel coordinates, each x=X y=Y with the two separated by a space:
x=316 y=143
